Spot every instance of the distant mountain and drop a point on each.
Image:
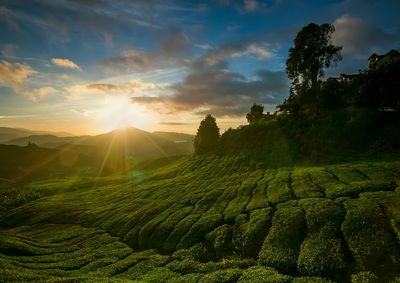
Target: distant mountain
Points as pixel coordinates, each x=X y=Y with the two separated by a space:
x=175 y=137
x=111 y=152
x=7 y=134
x=137 y=144
x=131 y=143
x=48 y=141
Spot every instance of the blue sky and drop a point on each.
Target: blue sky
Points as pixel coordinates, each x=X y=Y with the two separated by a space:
x=89 y=66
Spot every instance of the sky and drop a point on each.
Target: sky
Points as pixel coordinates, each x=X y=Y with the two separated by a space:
x=91 y=66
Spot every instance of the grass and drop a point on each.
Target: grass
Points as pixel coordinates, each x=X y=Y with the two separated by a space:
x=206 y=219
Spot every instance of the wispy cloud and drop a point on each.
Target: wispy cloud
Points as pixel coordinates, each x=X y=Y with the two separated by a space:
x=250 y=5
x=65 y=63
x=38 y=93
x=173 y=123
x=12 y=117
x=14 y=75
x=127 y=88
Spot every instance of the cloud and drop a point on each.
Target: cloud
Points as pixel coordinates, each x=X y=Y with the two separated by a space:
x=250 y=5
x=173 y=123
x=132 y=60
x=360 y=37
x=65 y=63
x=14 y=75
x=7 y=16
x=221 y=91
x=128 y=88
x=12 y=117
x=240 y=48
x=172 y=48
x=174 y=44
x=8 y=50
x=38 y=93
x=258 y=51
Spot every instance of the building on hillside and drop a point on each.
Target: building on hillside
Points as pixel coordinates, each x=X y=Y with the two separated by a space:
x=346 y=78
x=376 y=61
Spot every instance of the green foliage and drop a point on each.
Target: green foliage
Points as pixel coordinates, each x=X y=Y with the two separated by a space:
x=278 y=189
x=221 y=276
x=312 y=52
x=255 y=114
x=207 y=135
x=261 y=274
x=364 y=277
x=249 y=236
x=321 y=252
x=367 y=233
x=309 y=279
x=281 y=247
x=298 y=232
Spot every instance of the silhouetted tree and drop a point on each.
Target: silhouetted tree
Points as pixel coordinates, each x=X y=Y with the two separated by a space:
x=313 y=50
x=207 y=135
x=255 y=114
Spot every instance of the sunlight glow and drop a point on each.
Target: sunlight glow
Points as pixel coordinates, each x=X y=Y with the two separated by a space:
x=117 y=113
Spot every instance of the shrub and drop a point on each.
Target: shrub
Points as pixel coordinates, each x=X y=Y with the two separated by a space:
x=261 y=274
x=278 y=189
x=249 y=236
x=199 y=230
x=221 y=276
x=281 y=247
x=364 y=277
x=368 y=235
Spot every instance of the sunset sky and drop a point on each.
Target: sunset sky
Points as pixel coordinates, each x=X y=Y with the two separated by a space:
x=90 y=66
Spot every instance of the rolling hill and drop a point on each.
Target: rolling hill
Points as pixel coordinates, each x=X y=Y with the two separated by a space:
x=7 y=134
x=208 y=219
x=117 y=151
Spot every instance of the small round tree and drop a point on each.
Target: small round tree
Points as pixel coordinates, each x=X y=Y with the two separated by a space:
x=207 y=136
x=255 y=114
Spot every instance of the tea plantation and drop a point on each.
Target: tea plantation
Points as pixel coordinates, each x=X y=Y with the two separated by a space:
x=207 y=219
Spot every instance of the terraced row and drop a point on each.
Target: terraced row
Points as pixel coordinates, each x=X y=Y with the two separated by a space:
x=328 y=221
x=68 y=253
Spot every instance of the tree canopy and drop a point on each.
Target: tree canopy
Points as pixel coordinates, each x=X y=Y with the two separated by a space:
x=207 y=136
x=312 y=52
x=255 y=114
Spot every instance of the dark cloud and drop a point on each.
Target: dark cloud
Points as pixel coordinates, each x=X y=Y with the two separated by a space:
x=175 y=43
x=132 y=60
x=221 y=91
x=172 y=48
x=362 y=38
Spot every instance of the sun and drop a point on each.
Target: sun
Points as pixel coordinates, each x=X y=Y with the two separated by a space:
x=118 y=112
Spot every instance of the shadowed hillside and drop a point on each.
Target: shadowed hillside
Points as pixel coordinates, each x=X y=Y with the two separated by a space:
x=330 y=221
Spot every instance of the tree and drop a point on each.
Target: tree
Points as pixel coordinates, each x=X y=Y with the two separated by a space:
x=255 y=114
x=207 y=136
x=312 y=52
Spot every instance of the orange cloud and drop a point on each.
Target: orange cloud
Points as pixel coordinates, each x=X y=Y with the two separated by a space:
x=65 y=63
x=14 y=75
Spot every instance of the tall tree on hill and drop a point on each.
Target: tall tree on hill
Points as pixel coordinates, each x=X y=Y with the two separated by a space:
x=207 y=136
x=312 y=52
x=255 y=114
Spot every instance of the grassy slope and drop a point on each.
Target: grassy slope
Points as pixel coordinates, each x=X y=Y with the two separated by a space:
x=212 y=220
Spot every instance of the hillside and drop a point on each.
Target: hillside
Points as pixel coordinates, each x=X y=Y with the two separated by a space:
x=7 y=133
x=209 y=219
x=113 y=152
x=28 y=162
x=334 y=136
x=132 y=143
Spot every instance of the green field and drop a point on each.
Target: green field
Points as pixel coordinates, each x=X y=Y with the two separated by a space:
x=207 y=219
